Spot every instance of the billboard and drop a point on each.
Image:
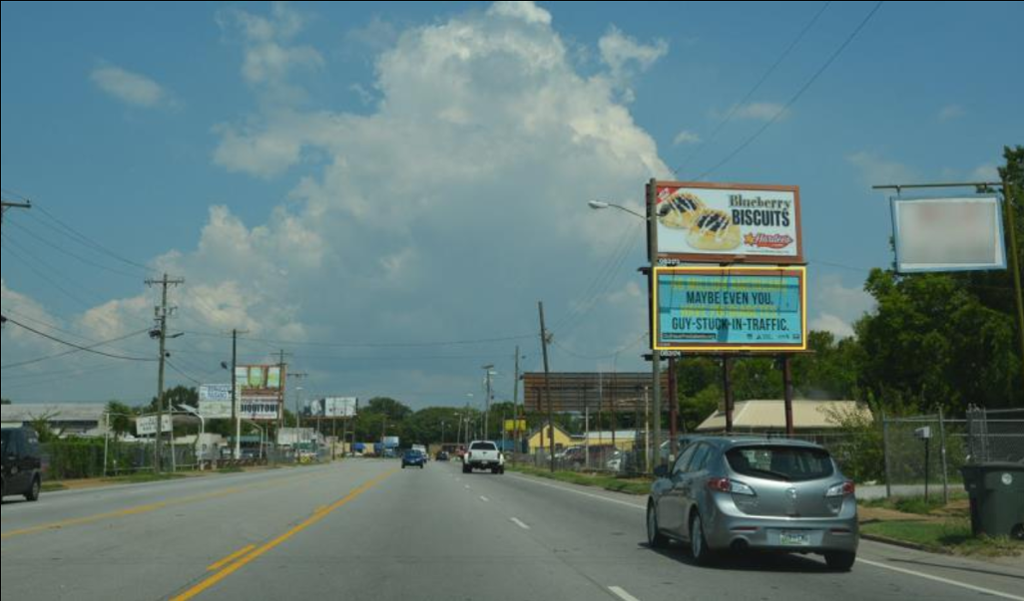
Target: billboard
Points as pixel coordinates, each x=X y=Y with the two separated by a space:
x=339 y=408
x=949 y=234
x=264 y=378
x=715 y=309
x=146 y=426
x=726 y=223
x=259 y=409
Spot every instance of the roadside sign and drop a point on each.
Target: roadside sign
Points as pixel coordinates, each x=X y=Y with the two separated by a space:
x=949 y=234
x=727 y=223
x=742 y=309
x=146 y=426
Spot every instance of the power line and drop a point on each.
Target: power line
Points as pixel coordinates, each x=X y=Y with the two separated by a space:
x=77 y=347
x=750 y=95
x=68 y=253
x=88 y=242
x=301 y=344
x=789 y=105
x=182 y=373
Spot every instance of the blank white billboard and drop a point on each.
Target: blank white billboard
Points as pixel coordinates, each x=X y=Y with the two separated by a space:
x=949 y=234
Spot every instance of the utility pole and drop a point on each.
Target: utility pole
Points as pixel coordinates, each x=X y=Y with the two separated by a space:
x=235 y=401
x=515 y=404
x=1011 y=219
x=489 y=369
x=281 y=393
x=544 y=339
x=162 y=312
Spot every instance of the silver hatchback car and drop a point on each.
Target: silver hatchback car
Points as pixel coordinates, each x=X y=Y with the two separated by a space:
x=756 y=495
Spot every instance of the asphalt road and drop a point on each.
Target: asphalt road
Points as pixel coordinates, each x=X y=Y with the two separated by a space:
x=364 y=530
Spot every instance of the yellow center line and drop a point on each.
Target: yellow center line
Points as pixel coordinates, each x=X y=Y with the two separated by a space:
x=237 y=554
x=318 y=517
x=143 y=509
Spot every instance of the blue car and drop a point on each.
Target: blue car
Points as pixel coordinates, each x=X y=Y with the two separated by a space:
x=414 y=459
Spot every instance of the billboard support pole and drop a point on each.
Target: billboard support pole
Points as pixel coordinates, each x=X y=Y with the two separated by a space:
x=730 y=401
x=652 y=238
x=787 y=376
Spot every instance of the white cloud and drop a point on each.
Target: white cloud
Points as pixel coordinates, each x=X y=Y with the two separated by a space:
x=833 y=325
x=526 y=11
x=877 y=170
x=271 y=57
x=625 y=57
x=686 y=137
x=131 y=88
x=445 y=214
x=759 y=111
x=952 y=112
x=838 y=306
x=986 y=174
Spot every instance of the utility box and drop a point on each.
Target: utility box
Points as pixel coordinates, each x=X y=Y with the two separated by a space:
x=997 y=499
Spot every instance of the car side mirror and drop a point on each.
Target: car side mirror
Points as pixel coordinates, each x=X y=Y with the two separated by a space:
x=661 y=472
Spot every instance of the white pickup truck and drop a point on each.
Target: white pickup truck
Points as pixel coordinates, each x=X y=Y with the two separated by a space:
x=483 y=456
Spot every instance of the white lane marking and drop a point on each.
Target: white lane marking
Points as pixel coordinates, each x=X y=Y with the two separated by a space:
x=468 y=487
x=485 y=499
x=621 y=594
x=976 y=589
x=519 y=523
x=583 y=494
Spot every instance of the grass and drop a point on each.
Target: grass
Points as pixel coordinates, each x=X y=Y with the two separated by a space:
x=230 y=470
x=915 y=505
x=637 y=487
x=142 y=478
x=950 y=536
x=53 y=487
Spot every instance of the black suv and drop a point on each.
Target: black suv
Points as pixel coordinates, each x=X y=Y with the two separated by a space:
x=22 y=466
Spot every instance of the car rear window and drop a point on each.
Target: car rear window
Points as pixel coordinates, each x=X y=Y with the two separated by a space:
x=484 y=446
x=786 y=464
x=5 y=435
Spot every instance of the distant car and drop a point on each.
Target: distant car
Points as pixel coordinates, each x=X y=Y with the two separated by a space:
x=759 y=495
x=414 y=459
x=484 y=455
x=22 y=464
x=444 y=457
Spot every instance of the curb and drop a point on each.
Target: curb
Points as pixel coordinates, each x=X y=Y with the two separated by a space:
x=903 y=544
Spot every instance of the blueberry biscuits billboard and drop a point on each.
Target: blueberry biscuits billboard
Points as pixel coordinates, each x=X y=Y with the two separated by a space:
x=725 y=223
x=744 y=309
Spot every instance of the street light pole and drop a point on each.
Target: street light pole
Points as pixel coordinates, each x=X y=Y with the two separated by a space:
x=652 y=251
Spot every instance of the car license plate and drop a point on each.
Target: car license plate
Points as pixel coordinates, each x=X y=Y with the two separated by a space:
x=794 y=539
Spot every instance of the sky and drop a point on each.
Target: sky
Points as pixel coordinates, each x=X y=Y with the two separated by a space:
x=385 y=190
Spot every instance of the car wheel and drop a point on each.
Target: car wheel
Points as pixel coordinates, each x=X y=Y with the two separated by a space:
x=655 y=538
x=466 y=470
x=840 y=562
x=33 y=493
x=1018 y=533
x=699 y=543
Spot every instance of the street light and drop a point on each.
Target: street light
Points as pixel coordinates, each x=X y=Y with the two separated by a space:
x=652 y=255
x=599 y=205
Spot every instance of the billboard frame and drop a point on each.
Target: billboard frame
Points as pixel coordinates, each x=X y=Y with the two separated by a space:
x=798 y=271
x=675 y=259
x=1000 y=242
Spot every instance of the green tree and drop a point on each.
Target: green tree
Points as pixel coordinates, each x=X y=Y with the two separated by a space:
x=5 y=402
x=120 y=419
x=394 y=410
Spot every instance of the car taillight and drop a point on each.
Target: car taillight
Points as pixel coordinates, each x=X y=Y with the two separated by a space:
x=845 y=489
x=730 y=487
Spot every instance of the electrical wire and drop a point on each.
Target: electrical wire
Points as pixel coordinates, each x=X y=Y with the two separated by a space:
x=84 y=240
x=301 y=344
x=796 y=98
x=77 y=347
x=68 y=253
x=750 y=95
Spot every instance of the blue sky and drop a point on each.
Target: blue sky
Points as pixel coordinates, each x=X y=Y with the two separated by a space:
x=417 y=172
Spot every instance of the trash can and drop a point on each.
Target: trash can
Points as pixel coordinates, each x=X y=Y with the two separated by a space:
x=997 y=499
